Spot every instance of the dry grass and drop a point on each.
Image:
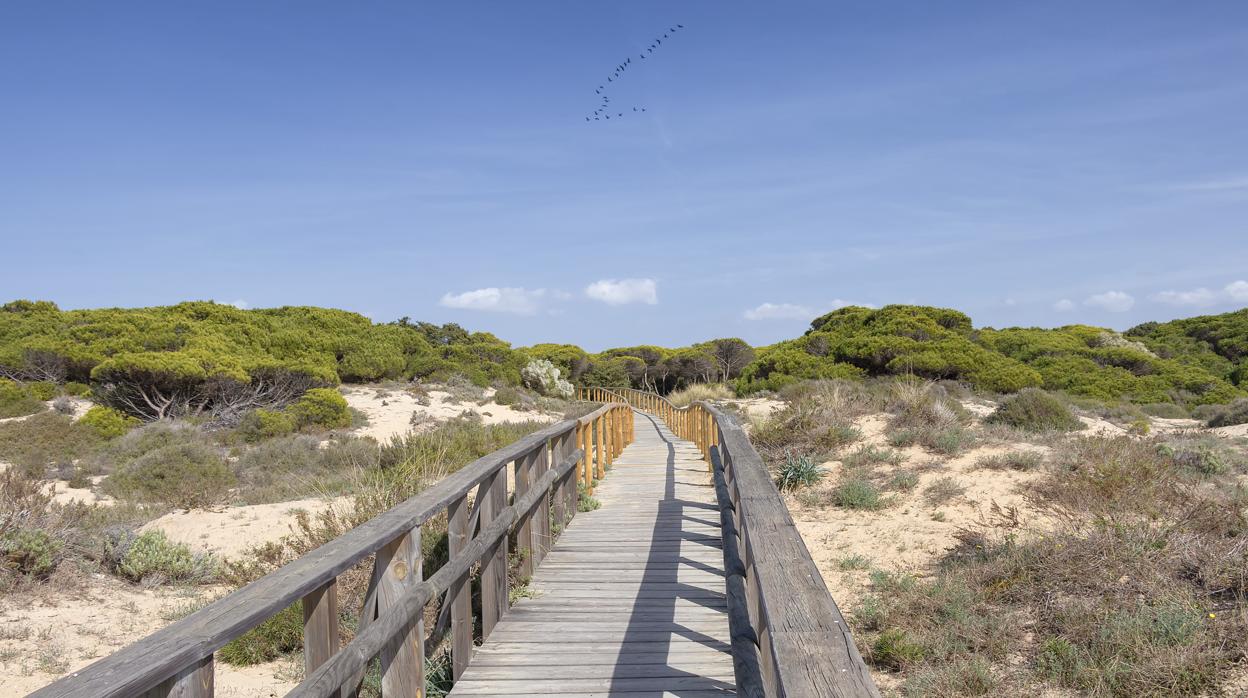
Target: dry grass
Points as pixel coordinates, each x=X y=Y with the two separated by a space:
x=1137 y=587
x=701 y=391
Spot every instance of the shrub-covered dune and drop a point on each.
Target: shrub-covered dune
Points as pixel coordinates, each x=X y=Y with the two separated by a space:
x=1192 y=362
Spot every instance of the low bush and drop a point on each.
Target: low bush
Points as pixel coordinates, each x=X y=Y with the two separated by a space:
x=260 y=424
x=868 y=455
x=1034 y=410
x=1202 y=455
x=942 y=491
x=276 y=636
x=44 y=440
x=184 y=475
x=1014 y=460
x=16 y=400
x=151 y=559
x=30 y=552
x=507 y=395
x=543 y=376
x=321 y=408
x=799 y=471
x=76 y=389
x=1228 y=415
x=42 y=390
x=107 y=422
x=855 y=492
x=299 y=465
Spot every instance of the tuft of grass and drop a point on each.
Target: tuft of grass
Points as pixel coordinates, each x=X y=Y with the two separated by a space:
x=868 y=455
x=1014 y=460
x=799 y=471
x=903 y=481
x=894 y=649
x=855 y=492
x=854 y=562
x=706 y=392
x=942 y=491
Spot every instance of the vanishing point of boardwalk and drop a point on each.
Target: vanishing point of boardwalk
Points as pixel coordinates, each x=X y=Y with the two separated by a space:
x=631 y=599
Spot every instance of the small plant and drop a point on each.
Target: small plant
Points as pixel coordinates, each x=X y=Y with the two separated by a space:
x=894 y=649
x=943 y=490
x=867 y=455
x=799 y=471
x=321 y=408
x=857 y=493
x=1229 y=415
x=854 y=562
x=1033 y=409
x=508 y=395
x=543 y=376
x=1014 y=460
x=107 y=422
x=151 y=558
x=63 y=405
x=904 y=481
x=261 y=424
x=1203 y=456
x=278 y=635
x=584 y=501
x=31 y=552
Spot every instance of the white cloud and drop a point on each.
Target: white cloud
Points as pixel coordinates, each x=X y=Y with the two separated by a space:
x=838 y=303
x=1237 y=291
x=241 y=305
x=521 y=301
x=1065 y=305
x=1113 y=301
x=780 y=311
x=624 y=291
x=1197 y=297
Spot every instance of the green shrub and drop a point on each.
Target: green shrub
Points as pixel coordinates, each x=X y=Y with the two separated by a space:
x=42 y=390
x=507 y=395
x=857 y=493
x=184 y=475
x=260 y=424
x=76 y=389
x=894 y=649
x=31 y=552
x=276 y=636
x=107 y=422
x=321 y=408
x=16 y=401
x=584 y=501
x=1205 y=456
x=46 y=439
x=1034 y=410
x=151 y=558
x=799 y=471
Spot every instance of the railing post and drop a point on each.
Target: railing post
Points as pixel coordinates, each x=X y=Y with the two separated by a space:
x=492 y=498
x=195 y=681
x=600 y=470
x=459 y=596
x=403 y=660
x=541 y=527
x=320 y=626
x=525 y=538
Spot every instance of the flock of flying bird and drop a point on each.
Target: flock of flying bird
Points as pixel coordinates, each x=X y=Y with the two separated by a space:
x=603 y=112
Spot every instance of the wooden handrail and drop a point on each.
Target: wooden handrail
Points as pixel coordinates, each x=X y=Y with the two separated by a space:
x=788 y=635
x=178 y=660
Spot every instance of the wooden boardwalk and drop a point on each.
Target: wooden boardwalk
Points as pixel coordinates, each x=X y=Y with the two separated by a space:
x=630 y=602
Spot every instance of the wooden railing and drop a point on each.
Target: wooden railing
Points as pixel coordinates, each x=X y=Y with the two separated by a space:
x=178 y=660
x=788 y=636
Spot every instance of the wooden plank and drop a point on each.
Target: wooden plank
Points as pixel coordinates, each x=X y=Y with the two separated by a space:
x=459 y=596
x=403 y=659
x=196 y=681
x=320 y=625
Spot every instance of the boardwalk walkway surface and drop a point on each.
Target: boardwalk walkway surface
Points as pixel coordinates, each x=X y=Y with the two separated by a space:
x=630 y=602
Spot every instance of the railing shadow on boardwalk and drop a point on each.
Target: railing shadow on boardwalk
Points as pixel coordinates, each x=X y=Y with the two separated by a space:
x=663 y=566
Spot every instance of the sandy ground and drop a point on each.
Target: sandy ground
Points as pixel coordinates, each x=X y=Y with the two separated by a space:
x=390 y=412
x=911 y=533
x=44 y=636
x=231 y=531
x=81 y=405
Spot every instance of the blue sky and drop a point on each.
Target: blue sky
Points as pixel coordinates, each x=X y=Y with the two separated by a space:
x=1027 y=163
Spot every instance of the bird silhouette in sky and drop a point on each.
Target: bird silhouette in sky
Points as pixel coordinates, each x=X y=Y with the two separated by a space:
x=617 y=75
